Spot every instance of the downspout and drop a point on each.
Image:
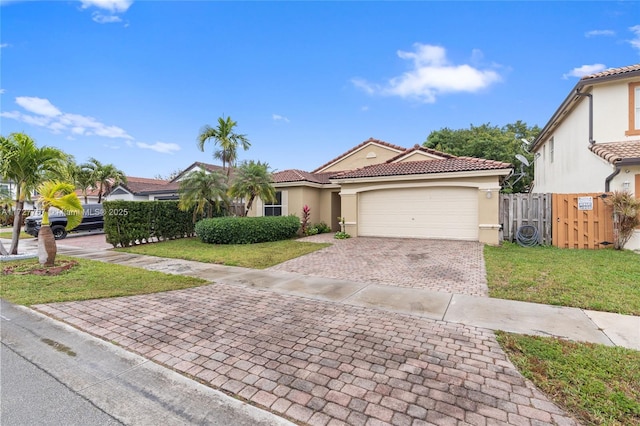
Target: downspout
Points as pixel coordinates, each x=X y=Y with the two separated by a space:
x=590 y=96
x=607 y=181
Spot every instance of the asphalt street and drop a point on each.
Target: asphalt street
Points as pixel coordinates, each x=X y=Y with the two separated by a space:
x=31 y=396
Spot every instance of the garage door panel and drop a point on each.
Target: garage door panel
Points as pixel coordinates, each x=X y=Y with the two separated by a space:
x=450 y=213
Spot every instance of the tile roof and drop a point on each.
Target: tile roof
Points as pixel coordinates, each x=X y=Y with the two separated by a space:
x=446 y=165
x=137 y=185
x=294 y=175
x=357 y=147
x=616 y=151
x=612 y=72
x=420 y=148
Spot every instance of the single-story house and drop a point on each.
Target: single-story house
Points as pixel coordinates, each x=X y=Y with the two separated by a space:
x=592 y=142
x=383 y=190
x=146 y=189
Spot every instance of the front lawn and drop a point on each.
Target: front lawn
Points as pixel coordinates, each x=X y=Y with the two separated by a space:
x=601 y=280
x=255 y=256
x=88 y=280
x=600 y=385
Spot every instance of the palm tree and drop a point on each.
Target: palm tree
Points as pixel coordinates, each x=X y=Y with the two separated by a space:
x=252 y=179
x=22 y=162
x=106 y=176
x=62 y=196
x=227 y=140
x=83 y=179
x=201 y=189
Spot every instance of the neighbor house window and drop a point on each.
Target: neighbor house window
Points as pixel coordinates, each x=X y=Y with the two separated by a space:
x=274 y=209
x=551 y=149
x=634 y=109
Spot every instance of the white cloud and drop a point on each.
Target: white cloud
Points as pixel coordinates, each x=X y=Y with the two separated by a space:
x=38 y=106
x=584 y=70
x=105 y=19
x=432 y=75
x=598 y=33
x=162 y=147
x=635 y=42
x=3 y=45
x=45 y=114
x=277 y=117
x=113 y=6
x=2 y=91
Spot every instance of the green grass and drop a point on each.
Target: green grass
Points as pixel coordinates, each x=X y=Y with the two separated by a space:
x=8 y=234
x=598 y=384
x=256 y=256
x=89 y=280
x=601 y=280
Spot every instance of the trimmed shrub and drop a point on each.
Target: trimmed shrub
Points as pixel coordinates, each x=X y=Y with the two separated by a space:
x=128 y=223
x=247 y=230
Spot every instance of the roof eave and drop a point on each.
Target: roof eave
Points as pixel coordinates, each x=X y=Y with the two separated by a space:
x=572 y=99
x=422 y=176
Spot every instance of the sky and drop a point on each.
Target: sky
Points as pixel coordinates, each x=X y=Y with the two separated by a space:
x=132 y=83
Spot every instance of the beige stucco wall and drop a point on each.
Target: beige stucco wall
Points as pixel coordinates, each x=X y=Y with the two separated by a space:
x=488 y=208
x=365 y=156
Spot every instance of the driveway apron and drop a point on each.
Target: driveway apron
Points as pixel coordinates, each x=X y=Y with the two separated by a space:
x=318 y=362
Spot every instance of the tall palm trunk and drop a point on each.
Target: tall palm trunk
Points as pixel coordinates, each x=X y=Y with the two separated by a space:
x=47 y=248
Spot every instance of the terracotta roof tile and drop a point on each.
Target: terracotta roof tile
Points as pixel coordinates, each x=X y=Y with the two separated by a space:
x=137 y=185
x=357 y=147
x=294 y=175
x=421 y=149
x=447 y=165
x=612 y=71
x=616 y=151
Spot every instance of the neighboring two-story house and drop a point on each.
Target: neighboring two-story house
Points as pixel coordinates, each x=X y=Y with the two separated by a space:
x=592 y=141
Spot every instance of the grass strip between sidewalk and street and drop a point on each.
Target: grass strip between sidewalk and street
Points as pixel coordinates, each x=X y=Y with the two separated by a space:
x=255 y=256
x=599 y=385
x=88 y=280
x=601 y=280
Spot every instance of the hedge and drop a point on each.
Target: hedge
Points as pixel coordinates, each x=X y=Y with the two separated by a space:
x=128 y=223
x=247 y=230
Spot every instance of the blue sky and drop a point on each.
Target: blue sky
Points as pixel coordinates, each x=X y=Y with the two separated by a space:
x=132 y=82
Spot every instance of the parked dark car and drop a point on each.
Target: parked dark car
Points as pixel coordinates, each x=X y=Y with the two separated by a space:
x=92 y=219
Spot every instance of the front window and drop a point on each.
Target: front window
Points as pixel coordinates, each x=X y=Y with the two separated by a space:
x=275 y=208
x=634 y=109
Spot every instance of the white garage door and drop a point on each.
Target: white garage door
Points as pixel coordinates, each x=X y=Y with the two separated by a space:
x=449 y=213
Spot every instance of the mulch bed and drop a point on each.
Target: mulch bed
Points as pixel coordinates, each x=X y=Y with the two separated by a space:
x=38 y=269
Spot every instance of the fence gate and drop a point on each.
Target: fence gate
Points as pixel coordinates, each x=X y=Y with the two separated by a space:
x=581 y=221
x=526 y=209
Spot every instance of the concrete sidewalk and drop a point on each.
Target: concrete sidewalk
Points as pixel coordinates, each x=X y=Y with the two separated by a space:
x=494 y=314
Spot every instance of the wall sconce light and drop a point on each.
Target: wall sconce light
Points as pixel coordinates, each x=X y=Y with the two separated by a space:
x=488 y=193
x=625 y=185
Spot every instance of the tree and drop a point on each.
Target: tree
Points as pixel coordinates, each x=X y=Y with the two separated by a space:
x=201 y=189
x=83 y=179
x=22 y=162
x=253 y=179
x=106 y=176
x=227 y=141
x=626 y=217
x=62 y=196
x=490 y=142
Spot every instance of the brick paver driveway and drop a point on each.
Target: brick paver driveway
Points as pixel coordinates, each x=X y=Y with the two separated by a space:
x=319 y=362
x=440 y=265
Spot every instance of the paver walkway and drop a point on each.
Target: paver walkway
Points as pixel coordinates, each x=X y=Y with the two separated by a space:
x=319 y=362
